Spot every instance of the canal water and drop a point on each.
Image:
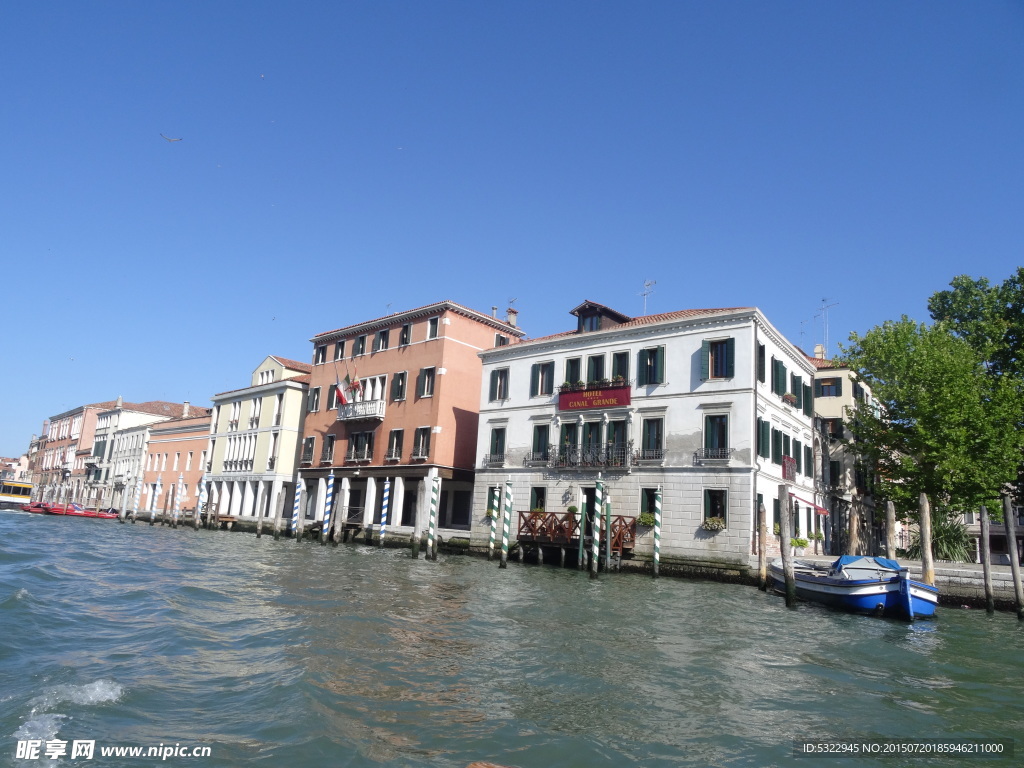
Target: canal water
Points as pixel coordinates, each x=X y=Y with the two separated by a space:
x=297 y=655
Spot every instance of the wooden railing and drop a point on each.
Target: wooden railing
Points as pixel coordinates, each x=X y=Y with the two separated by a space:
x=564 y=529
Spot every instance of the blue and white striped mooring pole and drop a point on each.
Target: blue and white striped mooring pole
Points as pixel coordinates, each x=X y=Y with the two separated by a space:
x=657 y=530
x=201 y=504
x=384 y=512
x=328 y=503
x=178 y=492
x=135 y=499
x=506 y=524
x=295 y=508
x=595 y=529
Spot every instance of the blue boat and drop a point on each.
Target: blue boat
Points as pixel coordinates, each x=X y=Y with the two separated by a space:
x=860 y=584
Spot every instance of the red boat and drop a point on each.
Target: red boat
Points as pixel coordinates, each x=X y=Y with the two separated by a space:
x=76 y=510
x=37 y=507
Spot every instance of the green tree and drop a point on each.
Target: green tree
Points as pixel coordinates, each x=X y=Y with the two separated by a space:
x=940 y=425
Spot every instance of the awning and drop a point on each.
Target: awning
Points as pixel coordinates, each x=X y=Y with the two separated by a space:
x=818 y=509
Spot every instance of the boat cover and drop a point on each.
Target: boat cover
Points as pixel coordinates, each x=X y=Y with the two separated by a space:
x=884 y=562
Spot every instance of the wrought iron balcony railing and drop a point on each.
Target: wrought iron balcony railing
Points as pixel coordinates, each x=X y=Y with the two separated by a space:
x=362 y=409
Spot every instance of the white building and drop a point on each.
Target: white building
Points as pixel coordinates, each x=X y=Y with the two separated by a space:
x=254 y=440
x=706 y=406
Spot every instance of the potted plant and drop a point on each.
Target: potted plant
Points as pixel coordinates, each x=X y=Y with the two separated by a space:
x=645 y=519
x=713 y=524
x=798 y=545
x=816 y=536
x=618 y=381
x=789 y=398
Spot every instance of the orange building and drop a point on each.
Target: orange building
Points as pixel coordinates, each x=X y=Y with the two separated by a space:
x=176 y=456
x=395 y=400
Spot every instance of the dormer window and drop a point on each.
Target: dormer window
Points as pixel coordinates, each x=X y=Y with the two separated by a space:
x=590 y=323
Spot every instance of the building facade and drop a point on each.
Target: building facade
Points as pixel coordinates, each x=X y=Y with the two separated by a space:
x=254 y=437
x=710 y=410
x=393 y=402
x=175 y=461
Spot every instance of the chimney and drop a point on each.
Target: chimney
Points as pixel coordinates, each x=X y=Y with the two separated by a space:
x=819 y=351
x=494 y=312
x=120 y=402
x=511 y=315
x=184 y=410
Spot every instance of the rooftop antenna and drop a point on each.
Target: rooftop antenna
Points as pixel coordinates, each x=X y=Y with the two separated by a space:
x=823 y=314
x=647 y=291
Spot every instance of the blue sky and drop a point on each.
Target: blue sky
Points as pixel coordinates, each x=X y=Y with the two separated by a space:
x=343 y=160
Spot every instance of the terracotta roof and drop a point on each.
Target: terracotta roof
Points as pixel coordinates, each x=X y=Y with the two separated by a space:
x=302 y=378
x=436 y=306
x=822 y=364
x=664 y=317
x=293 y=364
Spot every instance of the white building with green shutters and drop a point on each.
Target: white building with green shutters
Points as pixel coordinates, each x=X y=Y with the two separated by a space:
x=707 y=408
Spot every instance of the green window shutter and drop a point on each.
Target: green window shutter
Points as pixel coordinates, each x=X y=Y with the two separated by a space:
x=798 y=391
x=808 y=461
x=494 y=386
x=641 y=367
x=395 y=391
x=535 y=380
x=760 y=363
x=782 y=377
x=707 y=504
x=798 y=454
x=817 y=387
x=766 y=439
x=776 y=516
x=839 y=386
x=659 y=365
x=730 y=358
x=776 y=446
x=808 y=401
x=705 y=360
x=786 y=447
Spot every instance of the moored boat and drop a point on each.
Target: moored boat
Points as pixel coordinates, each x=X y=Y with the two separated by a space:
x=861 y=584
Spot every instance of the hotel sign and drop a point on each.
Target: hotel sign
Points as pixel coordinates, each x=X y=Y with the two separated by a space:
x=582 y=400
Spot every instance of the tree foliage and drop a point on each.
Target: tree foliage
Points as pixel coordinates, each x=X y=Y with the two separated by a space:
x=941 y=426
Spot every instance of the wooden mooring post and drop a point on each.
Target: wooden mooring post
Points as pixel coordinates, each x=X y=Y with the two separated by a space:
x=985 y=555
x=785 y=529
x=927 y=563
x=1011 y=548
x=762 y=548
x=890 y=530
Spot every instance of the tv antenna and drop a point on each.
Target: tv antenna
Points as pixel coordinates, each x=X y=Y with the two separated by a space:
x=823 y=314
x=647 y=291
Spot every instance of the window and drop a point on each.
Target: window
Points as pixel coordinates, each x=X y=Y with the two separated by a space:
x=360 y=446
x=808 y=461
x=188 y=462
x=426 y=386
x=313 y=400
x=398 y=385
x=833 y=428
x=308 y=444
x=538 y=499
x=395 y=444
x=540 y=442
x=595 y=368
x=320 y=354
x=798 y=455
x=650 y=367
x=764 y=438
x=778 y=377
x=500 y=341
x=332 y=398
x=572 y=370
x=359 y=346
x=542 y=379
x=715 y=503
x=760 y=363
x=177 y=456
x=620 y=365
x=339 y=350
x=776 y=446
x=716 y=436
x=796 y=386
x=421 y=443
x=835 y=473
x=499 y=385
x=328 y=452
x=648 y=501
x=718 y=359
x=381 y=340
x=497 y=451
x=432 y=328
x=590 y=323
x=405 y=335
x=652 y=442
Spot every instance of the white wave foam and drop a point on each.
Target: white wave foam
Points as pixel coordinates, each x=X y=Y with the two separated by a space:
x=98 y=692
x=43 y=727
x=21 y=594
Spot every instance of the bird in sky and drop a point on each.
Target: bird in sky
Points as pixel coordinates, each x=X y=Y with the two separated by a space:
x=170 y=139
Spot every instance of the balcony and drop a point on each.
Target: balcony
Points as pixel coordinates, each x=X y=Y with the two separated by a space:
x=494 y=460
x=712 y=454
x=617 y=455
x=327 y=455
x=394 y=455
x=359 y=454
x=92 y=461
x=361 y=410
x=618 y=382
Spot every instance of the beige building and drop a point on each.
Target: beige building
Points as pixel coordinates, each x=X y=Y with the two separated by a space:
x=254 y=440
